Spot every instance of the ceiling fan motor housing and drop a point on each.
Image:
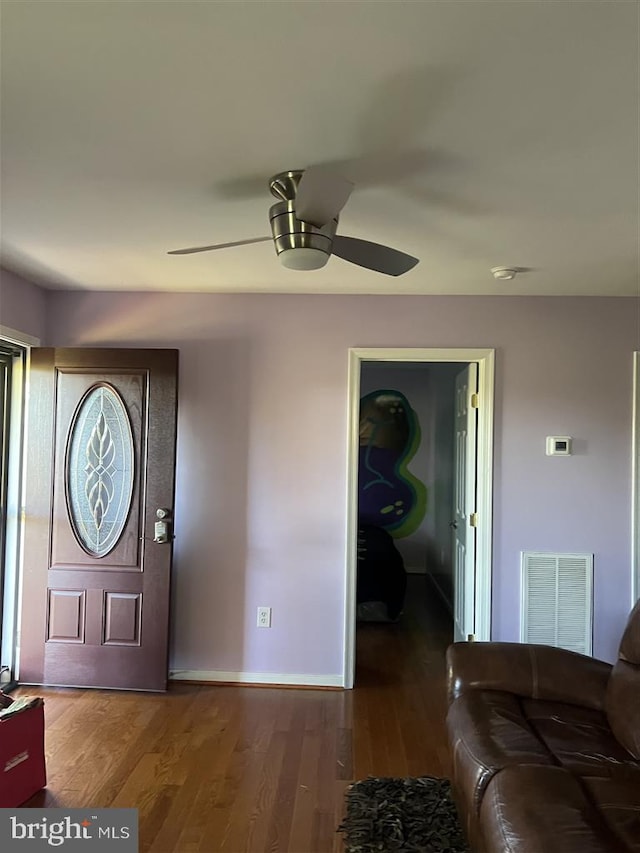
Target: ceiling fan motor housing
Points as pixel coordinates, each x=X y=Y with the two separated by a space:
x=289 y=233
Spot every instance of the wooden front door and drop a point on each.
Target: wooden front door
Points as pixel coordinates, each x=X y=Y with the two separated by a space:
x=99 y=506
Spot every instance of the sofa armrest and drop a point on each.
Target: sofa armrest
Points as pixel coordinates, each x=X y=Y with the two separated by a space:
x=531 y=671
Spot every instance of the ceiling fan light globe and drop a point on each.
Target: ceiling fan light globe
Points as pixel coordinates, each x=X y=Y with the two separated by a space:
x=301 y=258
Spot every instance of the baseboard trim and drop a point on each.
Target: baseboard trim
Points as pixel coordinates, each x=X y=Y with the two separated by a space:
x=271 y=679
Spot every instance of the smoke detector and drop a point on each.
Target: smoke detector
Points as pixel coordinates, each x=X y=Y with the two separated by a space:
x=504 y=273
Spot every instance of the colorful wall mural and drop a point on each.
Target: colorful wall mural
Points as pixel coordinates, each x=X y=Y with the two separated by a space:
x=389 y=495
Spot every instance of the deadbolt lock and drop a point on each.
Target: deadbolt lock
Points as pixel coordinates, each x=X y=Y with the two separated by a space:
x=162 y=527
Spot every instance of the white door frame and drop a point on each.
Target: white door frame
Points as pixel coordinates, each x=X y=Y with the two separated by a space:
x=485 y=359
x=11 y=600
x=635 y=479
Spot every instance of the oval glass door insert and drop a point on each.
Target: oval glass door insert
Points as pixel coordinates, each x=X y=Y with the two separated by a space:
x=99 y=477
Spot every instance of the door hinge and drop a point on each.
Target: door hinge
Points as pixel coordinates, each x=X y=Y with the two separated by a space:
x=473 y=519
x=474 y=401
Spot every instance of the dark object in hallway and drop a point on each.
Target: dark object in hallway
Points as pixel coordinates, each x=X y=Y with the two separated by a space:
x=546 y=746
x=381 y=574
x=402 y=816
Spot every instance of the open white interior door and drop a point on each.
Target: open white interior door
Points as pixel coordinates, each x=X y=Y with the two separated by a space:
x=464 y=502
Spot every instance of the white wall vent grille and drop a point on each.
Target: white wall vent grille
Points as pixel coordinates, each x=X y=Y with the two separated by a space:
x=557 y=600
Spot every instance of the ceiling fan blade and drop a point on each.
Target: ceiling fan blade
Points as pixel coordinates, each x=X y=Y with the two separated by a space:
x=373 y=256
x=321 y=195
x=195 y=249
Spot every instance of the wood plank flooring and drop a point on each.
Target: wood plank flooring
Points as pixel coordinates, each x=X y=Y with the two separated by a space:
x=220 y=769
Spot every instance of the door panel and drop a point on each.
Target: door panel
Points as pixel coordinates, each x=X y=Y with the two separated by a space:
x=66 y=610
x=122 y=618
x=464 y=503
x=96 y=584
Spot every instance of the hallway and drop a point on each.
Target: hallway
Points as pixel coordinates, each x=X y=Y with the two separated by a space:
x=399 y=701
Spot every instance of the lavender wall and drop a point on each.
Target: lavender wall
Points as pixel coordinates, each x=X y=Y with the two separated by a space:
x=22 y=305
x=262 y=470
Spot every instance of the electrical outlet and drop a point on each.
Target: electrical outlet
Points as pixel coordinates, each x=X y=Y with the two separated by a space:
x=264 y=617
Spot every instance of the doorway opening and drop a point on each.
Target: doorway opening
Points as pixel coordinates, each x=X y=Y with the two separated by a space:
x=430 y=485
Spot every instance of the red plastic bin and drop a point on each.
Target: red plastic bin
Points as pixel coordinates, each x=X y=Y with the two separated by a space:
x=22 y=761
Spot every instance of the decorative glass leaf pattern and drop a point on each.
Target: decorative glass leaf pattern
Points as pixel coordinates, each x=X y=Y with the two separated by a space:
x=99 y=477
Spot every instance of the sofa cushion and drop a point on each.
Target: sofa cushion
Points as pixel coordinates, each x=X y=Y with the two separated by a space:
x=622 y=700
x=536 y=809
x=618 y=801
x=579 y=738
x=488 y=731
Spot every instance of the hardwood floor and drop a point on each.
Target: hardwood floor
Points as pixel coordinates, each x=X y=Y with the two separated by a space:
x=220 y=768
x=399 y=702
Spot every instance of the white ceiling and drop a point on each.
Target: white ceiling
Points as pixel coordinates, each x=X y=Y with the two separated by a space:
x=478 y=134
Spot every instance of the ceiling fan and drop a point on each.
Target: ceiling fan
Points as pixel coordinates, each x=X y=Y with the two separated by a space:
x=304 y=222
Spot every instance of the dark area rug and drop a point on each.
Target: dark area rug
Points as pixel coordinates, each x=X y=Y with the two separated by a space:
x=402 y=816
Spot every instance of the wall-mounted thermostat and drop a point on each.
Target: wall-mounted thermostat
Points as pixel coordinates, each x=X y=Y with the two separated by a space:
x=558 y=445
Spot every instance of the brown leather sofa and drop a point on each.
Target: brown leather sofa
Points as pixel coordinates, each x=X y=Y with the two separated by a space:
x=546 y=746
